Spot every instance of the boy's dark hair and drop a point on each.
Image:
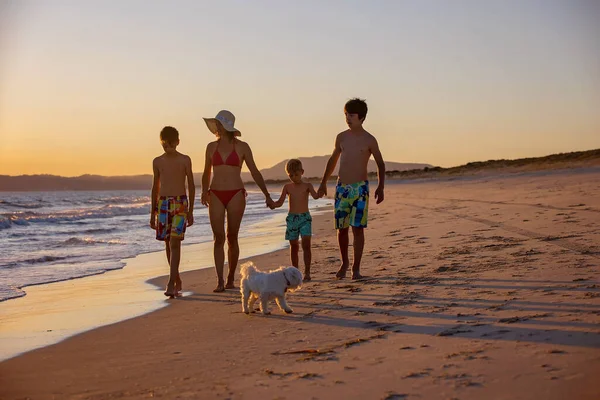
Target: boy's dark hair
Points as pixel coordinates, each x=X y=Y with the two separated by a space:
x=293 y=165
x=357 y=106
x=169 y=134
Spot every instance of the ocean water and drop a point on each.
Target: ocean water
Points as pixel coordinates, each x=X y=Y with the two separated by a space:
x=55 y=236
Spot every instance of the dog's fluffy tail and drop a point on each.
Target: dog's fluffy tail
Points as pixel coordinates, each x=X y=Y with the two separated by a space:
x=248 y=269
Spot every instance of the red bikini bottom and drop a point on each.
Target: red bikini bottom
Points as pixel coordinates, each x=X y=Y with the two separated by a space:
x=225 y=196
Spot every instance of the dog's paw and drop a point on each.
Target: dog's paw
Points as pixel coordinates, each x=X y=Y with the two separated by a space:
x=288 y=311
x=266 y=312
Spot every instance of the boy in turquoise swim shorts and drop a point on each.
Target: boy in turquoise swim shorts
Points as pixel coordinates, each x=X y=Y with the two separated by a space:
x=299 y=221
x=353 y=148
x=172 y=210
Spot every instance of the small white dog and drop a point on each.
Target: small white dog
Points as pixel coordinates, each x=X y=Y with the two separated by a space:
x=264 y=286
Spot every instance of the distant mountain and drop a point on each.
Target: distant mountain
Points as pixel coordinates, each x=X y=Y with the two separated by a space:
x=315 y=166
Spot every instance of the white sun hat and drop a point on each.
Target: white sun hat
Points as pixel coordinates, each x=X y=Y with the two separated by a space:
x=226 y=118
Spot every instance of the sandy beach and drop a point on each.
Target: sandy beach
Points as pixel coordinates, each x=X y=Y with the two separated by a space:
x=476 y=288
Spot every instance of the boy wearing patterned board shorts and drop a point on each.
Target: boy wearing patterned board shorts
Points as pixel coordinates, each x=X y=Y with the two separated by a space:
x=353 y=148
x=298 y=221
x=172 y=210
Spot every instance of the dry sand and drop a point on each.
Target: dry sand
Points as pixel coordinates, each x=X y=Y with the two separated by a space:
x=481 y=288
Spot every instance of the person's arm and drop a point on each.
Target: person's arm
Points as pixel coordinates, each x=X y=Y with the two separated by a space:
x=380 y=171
x=331 y=163
x=191 y=191
x=204 y=198
x=256 y=175
x=313 y=193
x=279 y=202
x=154 y=193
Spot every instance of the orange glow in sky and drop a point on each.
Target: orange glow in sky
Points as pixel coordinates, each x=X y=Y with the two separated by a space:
x=85 y=87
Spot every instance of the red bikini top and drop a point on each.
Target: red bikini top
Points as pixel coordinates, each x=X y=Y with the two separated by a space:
x=232 y=159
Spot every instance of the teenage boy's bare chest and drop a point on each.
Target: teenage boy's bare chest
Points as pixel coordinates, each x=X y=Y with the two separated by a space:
x=356 y=146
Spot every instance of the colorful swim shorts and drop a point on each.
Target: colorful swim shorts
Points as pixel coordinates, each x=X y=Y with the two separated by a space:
x=172 y=217
x=351 y=205
x=298 y=224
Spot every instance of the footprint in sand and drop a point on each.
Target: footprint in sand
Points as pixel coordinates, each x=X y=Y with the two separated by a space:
x=395 y=396
x=556 y=351
x=420 y=374
x=460 y=379
x=549 y=368
x=308 y=375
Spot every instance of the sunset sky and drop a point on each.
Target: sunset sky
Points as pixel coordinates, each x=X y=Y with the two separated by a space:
x=86 y=86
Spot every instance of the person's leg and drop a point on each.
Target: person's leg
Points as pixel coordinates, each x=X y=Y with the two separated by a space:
x=179 y=225
x=307 y=254
x=170 y=289
x=343 y=244
x=358 y=245
x=163 y=231
x=292 y=234
x=294 y=250
x=235 y=213
x=178 y=286
x=174 y=263
x=168 y=250
x=341 y=215
x=358 y=220
x=306 y=232
x=216 y=214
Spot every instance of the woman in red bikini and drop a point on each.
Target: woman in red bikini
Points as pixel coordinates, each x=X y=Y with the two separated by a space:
x=226 y=196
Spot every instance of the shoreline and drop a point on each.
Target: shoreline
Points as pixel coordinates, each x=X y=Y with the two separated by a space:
x=31 y=322
x=71 y=263
x=475 y=289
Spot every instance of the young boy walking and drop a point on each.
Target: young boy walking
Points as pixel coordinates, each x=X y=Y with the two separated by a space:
x=171 y=209
x=299 y=221
x=353 y=148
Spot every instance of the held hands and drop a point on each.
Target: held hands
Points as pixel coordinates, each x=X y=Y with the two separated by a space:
x=270 y=203
x=322 y=190
x=379 y=194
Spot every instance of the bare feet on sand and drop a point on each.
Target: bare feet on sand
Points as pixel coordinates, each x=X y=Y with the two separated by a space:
x=220 y=288
x=170 y=290
x=230 y=285
x=307 y=277
x=341 y=274
x=178 y=287
x=356 y=273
